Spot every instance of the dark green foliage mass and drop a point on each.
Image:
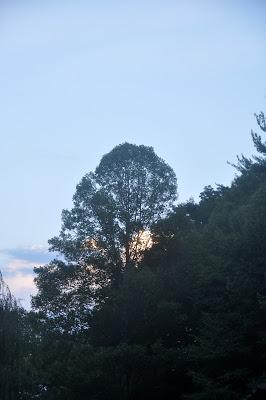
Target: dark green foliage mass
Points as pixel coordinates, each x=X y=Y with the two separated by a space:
x=184 y=318
x=16 y=369
x=131 y=189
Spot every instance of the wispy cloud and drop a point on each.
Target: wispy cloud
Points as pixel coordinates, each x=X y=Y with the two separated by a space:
x=17 y=266
x=30 y=254
x=22 y=286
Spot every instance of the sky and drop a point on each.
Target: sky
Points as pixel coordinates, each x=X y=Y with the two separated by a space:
x=79 y=77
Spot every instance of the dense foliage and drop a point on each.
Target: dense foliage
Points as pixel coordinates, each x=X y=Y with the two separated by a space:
x=15 y=362
x=185 y=320
x=104 y=233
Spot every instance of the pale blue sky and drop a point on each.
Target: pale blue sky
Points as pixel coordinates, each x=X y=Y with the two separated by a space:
x=79 y=77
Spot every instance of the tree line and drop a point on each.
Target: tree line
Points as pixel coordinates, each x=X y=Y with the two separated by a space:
x=147 y=298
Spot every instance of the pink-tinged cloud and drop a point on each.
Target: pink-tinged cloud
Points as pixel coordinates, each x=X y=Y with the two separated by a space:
x=18 y=265
x=22 y=287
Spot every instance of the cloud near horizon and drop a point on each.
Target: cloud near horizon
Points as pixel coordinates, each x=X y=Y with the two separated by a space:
x=22 y=286
x=17 y=267
x=29 y=254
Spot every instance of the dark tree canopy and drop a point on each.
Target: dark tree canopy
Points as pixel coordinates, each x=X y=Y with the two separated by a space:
x=129 y=191
x=108 y=226
x=13 y=356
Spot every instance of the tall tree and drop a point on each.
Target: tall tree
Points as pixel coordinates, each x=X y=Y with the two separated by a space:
x=107 y=228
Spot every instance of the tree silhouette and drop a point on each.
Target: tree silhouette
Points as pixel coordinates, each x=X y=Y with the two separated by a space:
x=103 y=233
